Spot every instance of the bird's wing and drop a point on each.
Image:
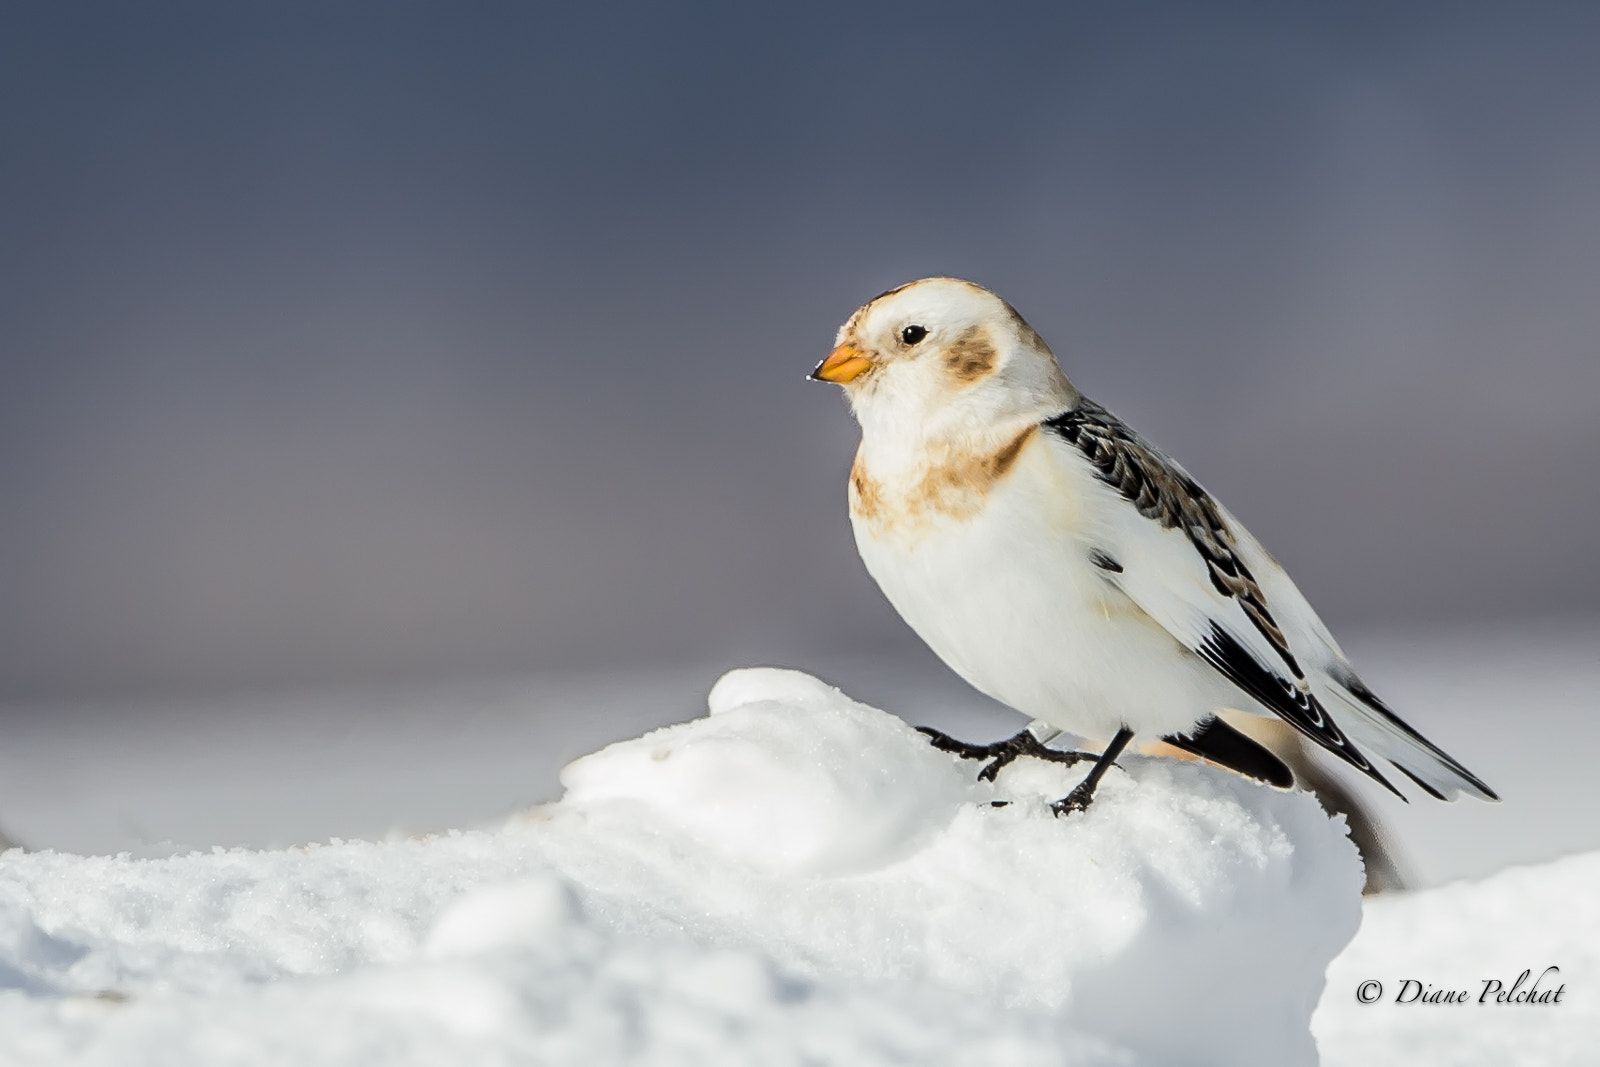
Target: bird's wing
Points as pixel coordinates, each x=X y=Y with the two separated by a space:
x=1172 y=550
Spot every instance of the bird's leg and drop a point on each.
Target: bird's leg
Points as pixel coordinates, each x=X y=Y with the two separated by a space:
x=1083 y=792
x=1029 y=742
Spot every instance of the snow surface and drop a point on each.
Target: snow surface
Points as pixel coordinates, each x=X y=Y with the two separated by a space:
x=273 y=769
x=1459 y=937
x=795 y=878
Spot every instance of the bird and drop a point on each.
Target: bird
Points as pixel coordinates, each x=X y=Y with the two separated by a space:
x=1069 y=569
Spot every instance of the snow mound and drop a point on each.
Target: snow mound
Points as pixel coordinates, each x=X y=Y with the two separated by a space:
x=1466 y=937
x=787 y=776
x=795 y=878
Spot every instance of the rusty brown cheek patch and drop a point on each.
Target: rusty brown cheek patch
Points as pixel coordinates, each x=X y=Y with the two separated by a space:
x=955 y=488
x=866 y=499
x=971 y=356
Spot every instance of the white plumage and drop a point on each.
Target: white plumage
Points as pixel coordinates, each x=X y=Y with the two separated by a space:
x=1065 y=567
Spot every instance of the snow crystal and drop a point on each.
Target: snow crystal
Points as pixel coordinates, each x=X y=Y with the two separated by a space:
x=794 y=878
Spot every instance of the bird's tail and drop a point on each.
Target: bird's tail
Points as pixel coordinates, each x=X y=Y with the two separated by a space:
x=1380 y=732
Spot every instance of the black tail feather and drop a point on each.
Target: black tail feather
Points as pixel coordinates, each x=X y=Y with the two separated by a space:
x=1220 y=743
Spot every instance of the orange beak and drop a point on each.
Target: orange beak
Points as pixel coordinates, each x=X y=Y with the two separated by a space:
x=844 y=364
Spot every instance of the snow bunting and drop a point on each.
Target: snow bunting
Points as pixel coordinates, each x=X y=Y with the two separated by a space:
x=1064 y=566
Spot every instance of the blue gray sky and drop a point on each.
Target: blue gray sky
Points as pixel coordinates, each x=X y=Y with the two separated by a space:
x=384 y=341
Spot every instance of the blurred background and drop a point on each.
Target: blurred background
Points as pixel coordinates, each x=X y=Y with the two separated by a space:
x=399 y=399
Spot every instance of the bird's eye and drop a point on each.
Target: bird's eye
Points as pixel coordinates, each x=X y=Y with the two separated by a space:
x=910 y=335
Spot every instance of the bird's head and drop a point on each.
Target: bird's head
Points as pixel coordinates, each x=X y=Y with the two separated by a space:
x=942 y=356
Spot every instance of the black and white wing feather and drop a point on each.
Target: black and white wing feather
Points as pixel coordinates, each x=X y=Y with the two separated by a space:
x=1195 y=571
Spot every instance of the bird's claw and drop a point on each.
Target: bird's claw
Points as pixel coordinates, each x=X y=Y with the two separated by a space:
x=1077 y=800
x=1001 y=753
x=945 y=743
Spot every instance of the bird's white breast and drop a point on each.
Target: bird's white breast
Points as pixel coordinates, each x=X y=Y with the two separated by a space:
x=998 y=580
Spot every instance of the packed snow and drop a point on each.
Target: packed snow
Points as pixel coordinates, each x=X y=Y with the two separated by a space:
x=794 y=878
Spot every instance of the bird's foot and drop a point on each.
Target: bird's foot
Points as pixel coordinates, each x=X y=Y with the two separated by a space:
x=1001 y=753
x=1083 y=793
x=1077 y=800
